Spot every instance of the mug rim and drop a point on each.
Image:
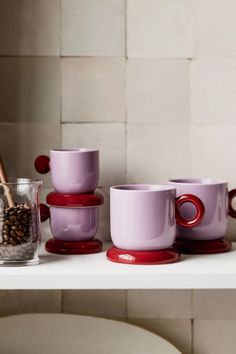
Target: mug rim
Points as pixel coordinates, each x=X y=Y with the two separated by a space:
x=196 y=181
x=21 y=181
x=75 y=150
x=142 y=188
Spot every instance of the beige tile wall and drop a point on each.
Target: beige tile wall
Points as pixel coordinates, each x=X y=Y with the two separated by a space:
x=152 y=84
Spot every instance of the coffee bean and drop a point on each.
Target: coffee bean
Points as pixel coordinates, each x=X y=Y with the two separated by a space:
x=12 y=233
x=20 y=233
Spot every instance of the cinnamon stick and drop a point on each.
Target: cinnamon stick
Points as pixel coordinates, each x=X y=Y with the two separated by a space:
x=3 y=179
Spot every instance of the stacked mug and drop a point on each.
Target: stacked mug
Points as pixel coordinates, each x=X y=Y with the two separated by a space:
x=74 y=204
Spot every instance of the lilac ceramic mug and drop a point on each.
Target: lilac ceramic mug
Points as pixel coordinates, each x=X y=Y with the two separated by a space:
x=143 y=217
x=73 y=217
x=72 y=171
x=218 y=204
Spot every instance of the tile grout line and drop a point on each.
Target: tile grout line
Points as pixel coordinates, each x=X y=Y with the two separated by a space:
x=62 y=301
x=126 y=27
x=60 y=28
x=126 y=305
x=192 y=320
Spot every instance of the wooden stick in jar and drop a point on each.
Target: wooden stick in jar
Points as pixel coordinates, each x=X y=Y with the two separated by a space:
x=3 y=179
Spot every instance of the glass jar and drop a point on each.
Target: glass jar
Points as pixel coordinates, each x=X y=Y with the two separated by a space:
x=19 y=222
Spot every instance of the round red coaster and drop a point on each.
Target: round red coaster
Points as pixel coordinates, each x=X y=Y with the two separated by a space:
x=166 y=256
x=75 y=247
x=203 y=247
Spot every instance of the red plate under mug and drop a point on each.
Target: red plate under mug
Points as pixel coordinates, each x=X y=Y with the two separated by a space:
x=164 y=256
x=75 y=247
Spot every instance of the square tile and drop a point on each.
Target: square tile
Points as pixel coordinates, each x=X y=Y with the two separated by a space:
x=13 y=302
x=109 y=139
x=213 y=92
x=159 y=28
x=214 y=28
x=93 y=27
x=158 y=91
x=214 y=337
x=177 y=332
x=213 y=152
x=93 y=90
x=104 y=216
x=159 y=304
x=98 y=303
x=30 y=90
x=214 y=304
x=29 y=27
x=21 y=143
x=156 y=153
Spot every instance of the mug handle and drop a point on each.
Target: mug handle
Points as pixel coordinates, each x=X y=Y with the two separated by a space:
x=44 y=212
x=41 y=164
x=189 y=198
x=232 y=211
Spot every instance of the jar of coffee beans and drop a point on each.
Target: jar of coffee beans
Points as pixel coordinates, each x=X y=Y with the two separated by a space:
x=19 y=222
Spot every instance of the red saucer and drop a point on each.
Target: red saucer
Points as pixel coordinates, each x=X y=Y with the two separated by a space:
x=203 y=247
x=166 y=256
x=75 y=247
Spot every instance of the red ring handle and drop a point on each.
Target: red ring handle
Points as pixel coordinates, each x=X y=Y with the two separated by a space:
x=44 y=212
x=41 y=164
x=232 y=212
x=189 y=198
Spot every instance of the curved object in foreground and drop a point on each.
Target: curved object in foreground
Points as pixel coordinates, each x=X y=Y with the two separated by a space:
x=73 y=334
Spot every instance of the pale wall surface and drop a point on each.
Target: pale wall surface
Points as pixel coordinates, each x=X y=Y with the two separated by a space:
x=152 y=84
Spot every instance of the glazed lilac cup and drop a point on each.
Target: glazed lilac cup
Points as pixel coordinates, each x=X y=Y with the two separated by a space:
x=143 y=217
x=218 y=205
x=73 y=171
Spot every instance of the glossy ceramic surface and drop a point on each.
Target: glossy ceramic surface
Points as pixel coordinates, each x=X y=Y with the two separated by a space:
x=73 y=224
x=167 y=256
x=76 y=247
x=221 y=245
x=143 y=216
x=72 y=171
x=214 y=195
x=74 y=334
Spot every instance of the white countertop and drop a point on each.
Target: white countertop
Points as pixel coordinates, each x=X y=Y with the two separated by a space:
x=95 y=272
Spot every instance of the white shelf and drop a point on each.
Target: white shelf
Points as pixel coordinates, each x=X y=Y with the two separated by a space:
x=95 y=272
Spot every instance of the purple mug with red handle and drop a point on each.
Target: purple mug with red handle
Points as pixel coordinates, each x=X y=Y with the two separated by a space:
x=143 y=217
x=218 y=205
x=73 y=171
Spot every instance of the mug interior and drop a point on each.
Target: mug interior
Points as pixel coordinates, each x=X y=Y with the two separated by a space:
x=76 y=150
x=143 y=187
x=196 y=181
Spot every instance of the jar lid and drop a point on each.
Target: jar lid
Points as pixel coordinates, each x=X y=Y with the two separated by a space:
x=74 y=200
